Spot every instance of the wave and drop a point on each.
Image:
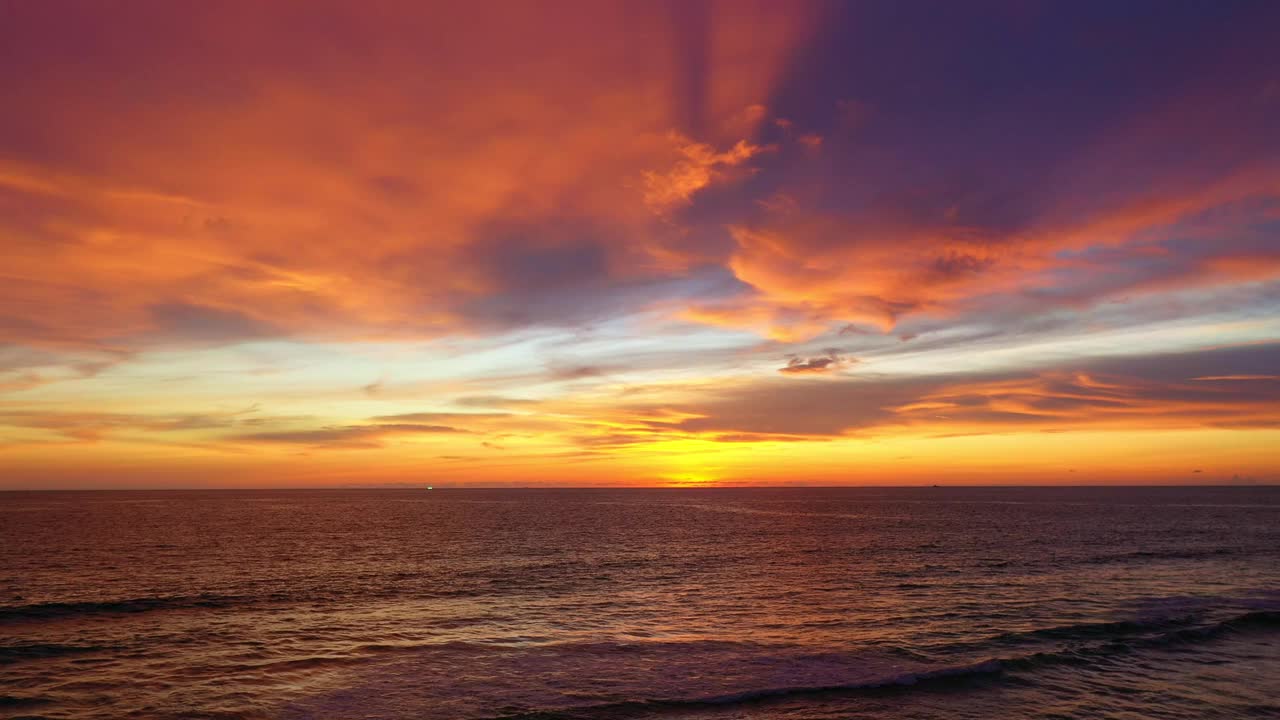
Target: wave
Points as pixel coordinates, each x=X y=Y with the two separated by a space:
x=1185 y=630
x=888 y=684
x=37 y=612
x=40 y=651
x=1118 y=629
x=1130 y=557
x=59 y=610
x=14 y=701
x=1262 y=620
x=1256 y=620
x=1118 y=641
x=48 y=611
x=1176 y=554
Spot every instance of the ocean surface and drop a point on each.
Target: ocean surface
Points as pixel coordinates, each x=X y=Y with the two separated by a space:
x=693 y=603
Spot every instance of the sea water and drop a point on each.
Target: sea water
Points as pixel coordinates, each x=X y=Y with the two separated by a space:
x=680 y=603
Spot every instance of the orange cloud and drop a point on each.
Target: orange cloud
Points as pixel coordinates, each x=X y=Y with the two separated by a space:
x=333 y=196
x=1073 y=400
x=810 y=273
x=698 y=168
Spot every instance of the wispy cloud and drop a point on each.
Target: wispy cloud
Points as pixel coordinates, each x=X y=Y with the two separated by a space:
x=827 y=363
x=345 y=436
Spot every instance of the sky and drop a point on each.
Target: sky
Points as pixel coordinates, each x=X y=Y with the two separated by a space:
x=298 y=244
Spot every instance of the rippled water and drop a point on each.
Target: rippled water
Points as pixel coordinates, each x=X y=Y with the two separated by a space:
x=788 y=603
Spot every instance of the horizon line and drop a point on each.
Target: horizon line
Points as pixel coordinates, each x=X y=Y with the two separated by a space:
x=433 y=488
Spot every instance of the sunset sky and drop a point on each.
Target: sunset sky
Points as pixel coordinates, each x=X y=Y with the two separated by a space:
x=558 y=243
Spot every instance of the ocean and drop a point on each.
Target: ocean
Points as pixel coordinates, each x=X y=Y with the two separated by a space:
x=455 y=604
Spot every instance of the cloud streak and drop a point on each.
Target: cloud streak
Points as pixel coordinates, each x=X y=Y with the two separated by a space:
x=830 y=361
x=347 y=436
